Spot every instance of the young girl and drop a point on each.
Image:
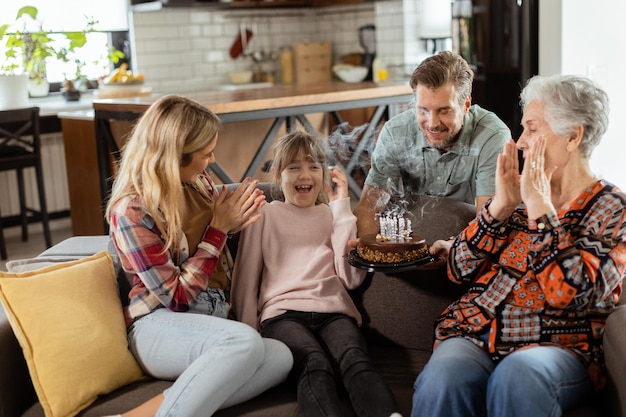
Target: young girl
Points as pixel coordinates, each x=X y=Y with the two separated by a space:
x=291 y=281
x=169 y=223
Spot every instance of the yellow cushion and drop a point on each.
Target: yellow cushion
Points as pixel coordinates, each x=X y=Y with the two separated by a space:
x=69 y=322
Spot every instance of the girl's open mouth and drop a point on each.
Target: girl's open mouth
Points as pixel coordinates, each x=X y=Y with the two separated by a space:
x=303 y=188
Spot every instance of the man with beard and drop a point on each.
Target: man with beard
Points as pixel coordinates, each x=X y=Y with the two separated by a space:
x=444 y=147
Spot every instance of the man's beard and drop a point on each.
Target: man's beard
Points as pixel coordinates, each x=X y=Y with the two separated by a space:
x=441 y=145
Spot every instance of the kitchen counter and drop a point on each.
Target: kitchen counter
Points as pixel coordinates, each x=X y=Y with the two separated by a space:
x=246 y=114
x=54 y=104
x=283 y=103
x=270 y=99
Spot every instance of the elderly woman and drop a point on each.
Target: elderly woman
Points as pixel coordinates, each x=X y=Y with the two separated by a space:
x=544 y=263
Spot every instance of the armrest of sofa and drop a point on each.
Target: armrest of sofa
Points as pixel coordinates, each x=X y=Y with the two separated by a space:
x=16 y=389
x=615 y=358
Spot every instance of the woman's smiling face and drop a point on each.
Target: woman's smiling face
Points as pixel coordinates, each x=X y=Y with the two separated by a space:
x=302 y=181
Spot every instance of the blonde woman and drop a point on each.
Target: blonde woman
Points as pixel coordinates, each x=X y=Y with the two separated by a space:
x=170 y=223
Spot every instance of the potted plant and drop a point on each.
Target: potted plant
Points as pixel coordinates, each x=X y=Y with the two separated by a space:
x=28 y=49
x=77 y=82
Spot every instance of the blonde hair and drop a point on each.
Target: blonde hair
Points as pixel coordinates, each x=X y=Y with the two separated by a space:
x=289 y=147
x=162 y=142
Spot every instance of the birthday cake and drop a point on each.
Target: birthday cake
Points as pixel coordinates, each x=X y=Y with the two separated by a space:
x=394 y=244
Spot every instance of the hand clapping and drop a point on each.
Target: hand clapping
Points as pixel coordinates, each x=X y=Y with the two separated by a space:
x=234 y=210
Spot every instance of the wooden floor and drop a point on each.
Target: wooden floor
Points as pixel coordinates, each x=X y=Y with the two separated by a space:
x=61 y=229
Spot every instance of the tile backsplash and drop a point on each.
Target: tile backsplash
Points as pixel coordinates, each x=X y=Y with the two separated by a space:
x=188 y=48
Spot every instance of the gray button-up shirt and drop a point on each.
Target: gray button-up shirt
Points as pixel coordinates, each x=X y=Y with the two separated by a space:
x=404 y=163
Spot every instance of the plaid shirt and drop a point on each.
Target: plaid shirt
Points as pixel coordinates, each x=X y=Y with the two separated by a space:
x=170 y=279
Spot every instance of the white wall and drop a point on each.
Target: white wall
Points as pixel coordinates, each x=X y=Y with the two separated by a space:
x=573 y=39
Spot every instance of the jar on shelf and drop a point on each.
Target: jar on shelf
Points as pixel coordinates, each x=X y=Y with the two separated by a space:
x=286 y=65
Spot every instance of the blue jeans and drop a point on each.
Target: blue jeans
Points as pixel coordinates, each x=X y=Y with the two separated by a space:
x=215 y=362
x=325 y=345
x=460 y=379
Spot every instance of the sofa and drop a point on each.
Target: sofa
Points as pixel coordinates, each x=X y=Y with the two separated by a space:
x=399 y=310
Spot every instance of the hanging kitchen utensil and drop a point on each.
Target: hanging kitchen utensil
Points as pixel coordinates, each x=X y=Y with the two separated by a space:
x=240 y=44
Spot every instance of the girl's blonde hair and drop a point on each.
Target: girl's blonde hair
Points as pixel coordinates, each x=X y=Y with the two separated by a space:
x=289 y=147
x=162 y=142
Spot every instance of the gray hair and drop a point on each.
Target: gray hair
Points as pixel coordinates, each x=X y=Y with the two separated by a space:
x=571 y=101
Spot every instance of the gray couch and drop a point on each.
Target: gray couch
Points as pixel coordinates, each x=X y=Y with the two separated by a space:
x=398 y=313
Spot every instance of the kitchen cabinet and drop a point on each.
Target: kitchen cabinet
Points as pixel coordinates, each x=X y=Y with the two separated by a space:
x=322 y=3
x=291 y=3
x=147 y=5
x=265 y=3
x=504 y=49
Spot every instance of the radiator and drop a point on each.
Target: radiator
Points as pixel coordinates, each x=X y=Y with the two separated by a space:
x=55 y=180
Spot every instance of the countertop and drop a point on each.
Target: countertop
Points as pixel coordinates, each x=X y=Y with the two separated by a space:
x=54 y=103
x=223 y=101
x=275 y=97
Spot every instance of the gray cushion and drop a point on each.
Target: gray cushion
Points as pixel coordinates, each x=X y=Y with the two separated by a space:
x=78 y=246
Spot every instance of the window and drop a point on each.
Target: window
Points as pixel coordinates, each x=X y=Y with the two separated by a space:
x=72 y=15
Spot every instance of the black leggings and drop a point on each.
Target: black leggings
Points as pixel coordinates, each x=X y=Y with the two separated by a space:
x=325 y=345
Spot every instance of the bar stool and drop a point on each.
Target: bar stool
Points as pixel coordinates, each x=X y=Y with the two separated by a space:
x=20 y=148
x=3 y=245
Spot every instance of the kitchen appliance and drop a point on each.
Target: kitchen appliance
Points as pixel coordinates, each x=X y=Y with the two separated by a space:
x=500 y=39
x=367 y=40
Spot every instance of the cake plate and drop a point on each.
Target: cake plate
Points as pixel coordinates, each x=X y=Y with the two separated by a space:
x=427 y=262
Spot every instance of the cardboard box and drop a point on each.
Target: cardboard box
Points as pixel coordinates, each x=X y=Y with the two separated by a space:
x=312 y=62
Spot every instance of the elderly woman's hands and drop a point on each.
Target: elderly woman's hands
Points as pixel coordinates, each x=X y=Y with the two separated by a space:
x=535 y=181
x=532 y=186
x=235 y=210
x=507 y=195
x=441 y=248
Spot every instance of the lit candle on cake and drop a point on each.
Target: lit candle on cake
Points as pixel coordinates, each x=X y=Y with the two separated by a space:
x=393 y=226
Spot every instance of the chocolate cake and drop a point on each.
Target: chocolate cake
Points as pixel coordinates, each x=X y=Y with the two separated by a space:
x=377 y=248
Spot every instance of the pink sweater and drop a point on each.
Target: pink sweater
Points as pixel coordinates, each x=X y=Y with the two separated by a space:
x=292 y=259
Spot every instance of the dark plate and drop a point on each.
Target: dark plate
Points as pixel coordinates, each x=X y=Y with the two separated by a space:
x=427 y=262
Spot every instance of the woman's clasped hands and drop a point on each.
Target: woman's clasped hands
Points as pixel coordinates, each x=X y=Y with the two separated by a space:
x=531 y=187
x=234 y=210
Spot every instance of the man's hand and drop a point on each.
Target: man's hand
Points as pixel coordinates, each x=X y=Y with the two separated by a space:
x=373 y=201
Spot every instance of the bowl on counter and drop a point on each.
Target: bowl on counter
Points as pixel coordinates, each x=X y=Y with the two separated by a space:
x=240 y=77
x=350 y=73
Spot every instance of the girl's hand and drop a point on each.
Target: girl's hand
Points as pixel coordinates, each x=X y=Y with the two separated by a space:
x=535 y=181
x=507 y=195
x=233 y=211
x=338 y=178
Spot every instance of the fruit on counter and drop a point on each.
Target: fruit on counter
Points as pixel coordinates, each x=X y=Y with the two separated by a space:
x=123 y=75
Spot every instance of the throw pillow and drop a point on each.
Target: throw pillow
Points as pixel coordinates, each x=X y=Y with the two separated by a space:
x=69 y=322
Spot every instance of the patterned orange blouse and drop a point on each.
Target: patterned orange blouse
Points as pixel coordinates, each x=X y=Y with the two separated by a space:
x=552 y=281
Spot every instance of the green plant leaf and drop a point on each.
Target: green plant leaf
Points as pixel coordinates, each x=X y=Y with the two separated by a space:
x=29 y=10
x=77 y=39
